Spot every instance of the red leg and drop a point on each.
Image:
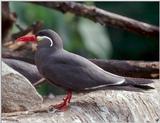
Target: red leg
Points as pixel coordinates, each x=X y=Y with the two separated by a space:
x=66 y=100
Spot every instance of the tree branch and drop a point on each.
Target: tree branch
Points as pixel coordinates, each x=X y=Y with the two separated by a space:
x=34 y=28
x=104 y=17
x=137 y=69
x=12 y=45
x=8 y=19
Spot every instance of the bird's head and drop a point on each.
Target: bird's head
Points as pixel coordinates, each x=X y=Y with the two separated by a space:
x=45 y=38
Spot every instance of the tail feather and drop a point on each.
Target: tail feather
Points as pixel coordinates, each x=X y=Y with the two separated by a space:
x=145 y=87
x=138 y=83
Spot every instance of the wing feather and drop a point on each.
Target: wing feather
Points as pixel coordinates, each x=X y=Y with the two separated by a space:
x=77 y=73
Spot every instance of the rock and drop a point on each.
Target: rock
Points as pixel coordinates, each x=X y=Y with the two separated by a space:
x=28 y=70
x=18 y=94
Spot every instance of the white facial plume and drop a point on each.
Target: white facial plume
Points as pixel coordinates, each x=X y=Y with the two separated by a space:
x=42 y=37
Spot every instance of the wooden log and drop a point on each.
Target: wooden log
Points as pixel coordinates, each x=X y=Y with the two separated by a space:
x=130 y=68
x=137 y=69
x=104 y=106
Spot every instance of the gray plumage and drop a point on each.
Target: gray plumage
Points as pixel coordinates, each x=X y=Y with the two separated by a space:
x=71 y=71
x=28 y=70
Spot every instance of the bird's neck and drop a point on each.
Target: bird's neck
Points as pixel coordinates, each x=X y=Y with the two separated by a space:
x=42 y=54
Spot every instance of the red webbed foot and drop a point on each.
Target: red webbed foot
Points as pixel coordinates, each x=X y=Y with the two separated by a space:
x=63 y=106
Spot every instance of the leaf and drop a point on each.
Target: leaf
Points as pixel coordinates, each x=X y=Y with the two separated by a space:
x=95 y=38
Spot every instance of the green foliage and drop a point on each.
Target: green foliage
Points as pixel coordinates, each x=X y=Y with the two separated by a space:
x=95 y=38
x=46 y=89
x=127 y=45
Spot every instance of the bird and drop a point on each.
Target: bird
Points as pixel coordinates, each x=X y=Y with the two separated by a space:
x=70 y=71
x=28 y=70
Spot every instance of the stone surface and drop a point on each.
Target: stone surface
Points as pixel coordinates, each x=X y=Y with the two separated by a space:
x=18 y=94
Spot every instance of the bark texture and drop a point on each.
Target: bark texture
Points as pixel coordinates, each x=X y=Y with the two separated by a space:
x=8 y=19
x=104 y=17
x=135 y=69
x=104 y=106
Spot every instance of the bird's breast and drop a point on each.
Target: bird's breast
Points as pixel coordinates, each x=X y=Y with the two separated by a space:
x=41 y=59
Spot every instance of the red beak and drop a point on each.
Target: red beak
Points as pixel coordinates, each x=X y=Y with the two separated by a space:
x=27 y=38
